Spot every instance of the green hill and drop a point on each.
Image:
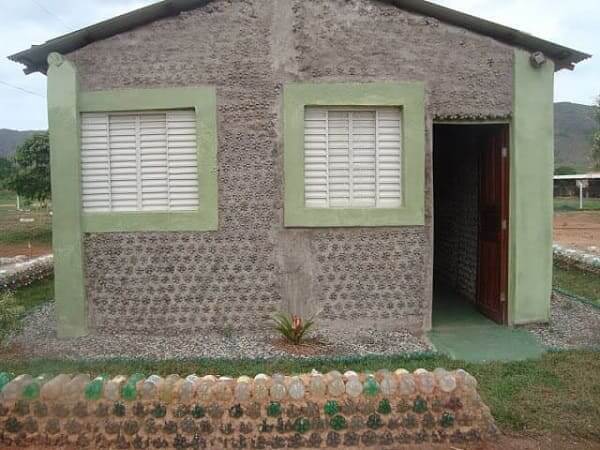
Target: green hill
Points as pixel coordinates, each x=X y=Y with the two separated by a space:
x=10 y=139
x=573 y=128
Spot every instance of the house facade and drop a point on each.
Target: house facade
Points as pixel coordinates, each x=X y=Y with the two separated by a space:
x=214 y=162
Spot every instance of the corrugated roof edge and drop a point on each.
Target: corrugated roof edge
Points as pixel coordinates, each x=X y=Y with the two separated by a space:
x=35 y=57
x=564 y=57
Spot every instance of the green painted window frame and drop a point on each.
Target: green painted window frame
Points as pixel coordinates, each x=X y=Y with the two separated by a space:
x=204 y=101
x=408 y=96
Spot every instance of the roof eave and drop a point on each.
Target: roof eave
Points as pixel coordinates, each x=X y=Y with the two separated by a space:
x=564 y=57
x=34 y=58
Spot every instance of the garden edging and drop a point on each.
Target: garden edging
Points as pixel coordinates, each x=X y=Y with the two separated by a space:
x=310 y=410
x=570 y=257
x=19 y=274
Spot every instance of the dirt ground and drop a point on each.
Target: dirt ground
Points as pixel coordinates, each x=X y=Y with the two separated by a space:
x=512 y=442
x=545 y=442
x=8 y=250
x=579 y=230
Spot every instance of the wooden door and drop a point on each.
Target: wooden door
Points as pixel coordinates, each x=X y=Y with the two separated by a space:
x=493 y=224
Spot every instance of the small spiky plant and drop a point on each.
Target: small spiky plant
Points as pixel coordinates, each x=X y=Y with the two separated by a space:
x=292 y=327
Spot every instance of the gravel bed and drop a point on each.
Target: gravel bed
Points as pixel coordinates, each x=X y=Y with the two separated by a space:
x=38 y=339
x=573 y=324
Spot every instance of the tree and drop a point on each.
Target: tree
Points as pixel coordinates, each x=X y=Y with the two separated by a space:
x=31 y=177
x=596 y=139
x=565 y=170
x=7 y=168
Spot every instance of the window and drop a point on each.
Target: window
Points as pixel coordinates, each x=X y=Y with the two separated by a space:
x=139 y=161
x=354 y=154
x=352 y=157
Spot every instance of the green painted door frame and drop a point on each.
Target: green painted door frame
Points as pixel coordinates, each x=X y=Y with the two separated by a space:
x=531 y=207
x=531 y=159
x=508 y=123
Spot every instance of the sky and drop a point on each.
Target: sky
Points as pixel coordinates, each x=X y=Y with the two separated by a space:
x=25 y=22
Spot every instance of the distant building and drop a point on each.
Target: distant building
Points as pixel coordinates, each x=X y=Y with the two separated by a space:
x=586 y=184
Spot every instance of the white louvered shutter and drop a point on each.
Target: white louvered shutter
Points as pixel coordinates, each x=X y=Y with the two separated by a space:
x=95 y=161
x=183 y=160
x=389 y=158
x=363 y=158
x=315 y=159
x=352 y=157
x=139 y=161
x=154 y=167
x=123 y=169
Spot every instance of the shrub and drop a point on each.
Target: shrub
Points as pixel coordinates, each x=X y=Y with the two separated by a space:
x=10 y=312
x=565 y=170
x=292 y=327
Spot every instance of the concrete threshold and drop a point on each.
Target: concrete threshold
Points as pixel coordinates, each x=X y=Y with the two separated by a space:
x=463 y=333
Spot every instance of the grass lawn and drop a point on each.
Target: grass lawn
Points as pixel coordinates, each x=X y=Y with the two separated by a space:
x=7 y=200
x=574 y=281
x=35 y=294
x=14 y=231
x=572 y=204
x=26 y=299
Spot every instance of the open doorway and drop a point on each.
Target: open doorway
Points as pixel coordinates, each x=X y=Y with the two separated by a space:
x=470 y=178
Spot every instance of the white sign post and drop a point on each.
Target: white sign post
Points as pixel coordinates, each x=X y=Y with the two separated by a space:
x=581 y=184
x=28 y=220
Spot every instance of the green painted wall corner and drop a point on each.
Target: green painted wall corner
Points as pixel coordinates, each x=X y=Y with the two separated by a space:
x=67 y=234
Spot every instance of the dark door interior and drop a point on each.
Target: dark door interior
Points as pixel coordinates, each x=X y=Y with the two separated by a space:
x=470 y=177
x=493 y=224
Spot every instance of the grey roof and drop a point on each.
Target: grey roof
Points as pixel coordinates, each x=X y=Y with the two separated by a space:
x=34 y=58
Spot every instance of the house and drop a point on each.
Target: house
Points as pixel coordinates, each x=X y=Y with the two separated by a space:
x=577 y=185
x=216 y=161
